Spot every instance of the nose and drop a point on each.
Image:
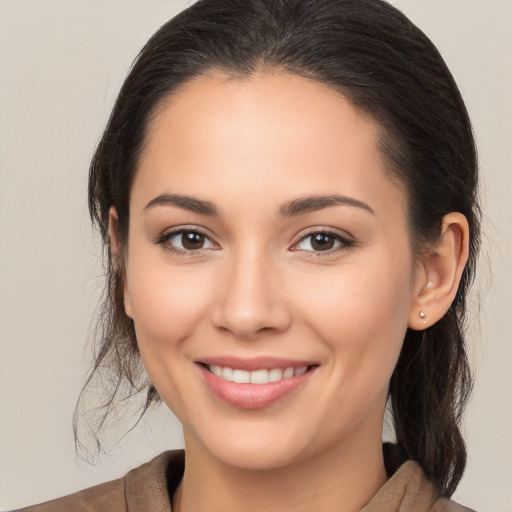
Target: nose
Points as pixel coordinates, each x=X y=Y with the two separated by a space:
x=251 y=298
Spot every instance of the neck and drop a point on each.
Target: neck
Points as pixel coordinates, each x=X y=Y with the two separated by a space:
x=339 y=479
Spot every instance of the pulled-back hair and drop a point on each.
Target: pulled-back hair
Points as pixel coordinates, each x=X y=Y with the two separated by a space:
x=384 y=65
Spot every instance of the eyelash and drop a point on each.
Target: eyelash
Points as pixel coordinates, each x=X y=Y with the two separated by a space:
x=164 y=239
x=344 y=242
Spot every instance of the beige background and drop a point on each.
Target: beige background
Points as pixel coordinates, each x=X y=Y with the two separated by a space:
x=61 y=64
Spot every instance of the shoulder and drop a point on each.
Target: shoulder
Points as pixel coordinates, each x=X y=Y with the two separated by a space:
x=444 y=505
x=148 y=486
x=107 y=496
x=409 y=489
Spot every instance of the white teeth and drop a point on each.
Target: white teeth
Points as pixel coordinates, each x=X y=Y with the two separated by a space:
x=227 y=373
x=241 y=377
x=256 y=376
x=300 y=371
x=259 y=377
x=275 y=374
x=288 y=373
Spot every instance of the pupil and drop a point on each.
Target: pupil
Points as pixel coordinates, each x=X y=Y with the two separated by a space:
x=322 y=242
x=192 y=240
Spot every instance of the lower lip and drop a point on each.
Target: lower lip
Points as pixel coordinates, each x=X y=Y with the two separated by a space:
x=252 y=396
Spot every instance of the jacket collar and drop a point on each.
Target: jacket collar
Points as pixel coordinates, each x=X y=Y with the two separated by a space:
x=150 y=486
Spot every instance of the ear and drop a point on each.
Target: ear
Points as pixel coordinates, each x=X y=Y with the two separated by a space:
x=113 y=231
x=439 y=273
x=115 y=249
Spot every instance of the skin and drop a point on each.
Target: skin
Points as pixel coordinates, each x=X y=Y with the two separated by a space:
x=257 y=287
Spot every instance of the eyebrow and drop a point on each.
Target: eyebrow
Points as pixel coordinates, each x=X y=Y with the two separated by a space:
x=314 y=203
x=191 y=204
x=290 y=209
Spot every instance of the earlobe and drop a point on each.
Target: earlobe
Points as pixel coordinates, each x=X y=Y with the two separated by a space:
x=440 y=273
x=127 y=304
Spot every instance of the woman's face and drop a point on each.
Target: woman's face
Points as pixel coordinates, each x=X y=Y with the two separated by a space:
x=267 y=243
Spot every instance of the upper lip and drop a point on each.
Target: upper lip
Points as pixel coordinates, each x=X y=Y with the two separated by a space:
x=254 y=363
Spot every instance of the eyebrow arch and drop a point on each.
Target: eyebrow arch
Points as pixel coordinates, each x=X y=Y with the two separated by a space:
x=290 y=209
x=315 y=203
x=189 y=203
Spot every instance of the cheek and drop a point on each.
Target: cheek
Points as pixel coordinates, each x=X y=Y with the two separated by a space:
x=167 y=304
x=360 y=312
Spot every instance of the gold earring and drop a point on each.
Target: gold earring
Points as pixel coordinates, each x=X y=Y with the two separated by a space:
x=423 y=315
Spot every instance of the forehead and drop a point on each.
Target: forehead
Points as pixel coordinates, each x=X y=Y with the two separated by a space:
x=260 y=106
x=266 y=134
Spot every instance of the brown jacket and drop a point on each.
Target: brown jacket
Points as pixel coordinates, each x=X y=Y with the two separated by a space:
x=148 y=488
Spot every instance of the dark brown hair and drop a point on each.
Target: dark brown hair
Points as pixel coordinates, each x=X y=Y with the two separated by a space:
x=375 y=57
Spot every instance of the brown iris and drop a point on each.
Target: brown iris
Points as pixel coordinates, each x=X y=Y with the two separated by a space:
x=192 y=240
x=322 y=242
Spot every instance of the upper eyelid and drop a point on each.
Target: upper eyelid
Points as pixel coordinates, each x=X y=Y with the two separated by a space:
x=344 y=235
x=346 y=241
x=167 y=233
x=327 y=230
x=163 y=240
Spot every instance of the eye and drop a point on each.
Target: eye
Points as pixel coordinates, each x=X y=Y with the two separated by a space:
x=186 y=240
x=322 y=241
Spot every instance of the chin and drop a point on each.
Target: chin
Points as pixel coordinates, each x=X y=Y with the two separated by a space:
x=252 y=447
x=256 y=457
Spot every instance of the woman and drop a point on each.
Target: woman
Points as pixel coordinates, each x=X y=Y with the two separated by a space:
x=286 y=191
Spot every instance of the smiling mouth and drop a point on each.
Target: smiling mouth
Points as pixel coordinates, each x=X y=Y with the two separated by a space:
x=254 y=383
x=263 y=376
